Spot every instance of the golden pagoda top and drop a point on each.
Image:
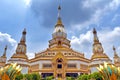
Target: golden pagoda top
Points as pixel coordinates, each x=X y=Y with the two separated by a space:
x=59 y=22
x=97 y=48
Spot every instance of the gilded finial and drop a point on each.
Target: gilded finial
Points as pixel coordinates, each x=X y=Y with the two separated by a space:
x=94 y=31
x=5 y=49
x=23 y=39
x=95 y=35
x=59 y=22
x=59 y=8
x=114 y=48
x=24 y=31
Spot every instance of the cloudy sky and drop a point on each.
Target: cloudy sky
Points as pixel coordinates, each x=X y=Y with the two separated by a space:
x=79 y=18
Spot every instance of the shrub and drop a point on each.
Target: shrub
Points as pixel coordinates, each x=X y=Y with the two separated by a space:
x=33 y=76
x=19 y=77
x=70 y=78
x=83 y=77
x=49 y=78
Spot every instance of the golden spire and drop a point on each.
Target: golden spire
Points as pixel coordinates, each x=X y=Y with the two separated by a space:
x=95 y=35
x=5 y=49
x=23 y=39
x=59 y=22
x=115 y=54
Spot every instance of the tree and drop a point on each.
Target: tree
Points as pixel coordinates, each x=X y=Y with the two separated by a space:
x=19 y=77
x=49 y=78
x=83 y=77
x=33 y=76
x=28 y=76
x=70 y=78
x=36 y=76
x=96 y=76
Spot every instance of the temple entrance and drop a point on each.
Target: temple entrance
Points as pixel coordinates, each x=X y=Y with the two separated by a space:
x=59 y=75
x=59 y=64
x=59 y=67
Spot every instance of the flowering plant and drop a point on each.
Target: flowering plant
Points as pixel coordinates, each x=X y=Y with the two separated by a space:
x=109 y=72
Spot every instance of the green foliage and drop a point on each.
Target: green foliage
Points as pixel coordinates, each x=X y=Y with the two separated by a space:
x=96 y=76
x=36 y=76
x=49 y=78
x=70 y=78
x=83 y=77
x=19 y=77
x=28 y=76
x=33 y=76
x=93 y=76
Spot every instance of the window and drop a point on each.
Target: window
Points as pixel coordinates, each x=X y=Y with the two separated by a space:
x=35 y=66
x=71 y=65
x=47 y=65
x=48 y=53
x=59 y=66
x=65 y=54
x=59 y=60
x=53 y=53
x=83 y=66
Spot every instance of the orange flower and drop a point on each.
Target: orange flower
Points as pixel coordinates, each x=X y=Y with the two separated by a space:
x=5 y=77
x=113 y=77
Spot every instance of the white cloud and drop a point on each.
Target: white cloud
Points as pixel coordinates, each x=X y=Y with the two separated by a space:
x=6 y=39
x=83 y=43
x=117 y=16
x=108 y=38
x=30 y=55
x=99 y=8
x=118 y=50
x=27 y=2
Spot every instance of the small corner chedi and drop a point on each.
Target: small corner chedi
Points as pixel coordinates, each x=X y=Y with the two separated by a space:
x=59 y=59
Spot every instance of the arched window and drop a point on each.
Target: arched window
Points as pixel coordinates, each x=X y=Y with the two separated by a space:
x=59 y=63
x=59 y=60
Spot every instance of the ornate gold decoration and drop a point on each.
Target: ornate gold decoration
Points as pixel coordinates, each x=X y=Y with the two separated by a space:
x=95 y=56
x=58 y=56
x=10 y=71
x=109 y=72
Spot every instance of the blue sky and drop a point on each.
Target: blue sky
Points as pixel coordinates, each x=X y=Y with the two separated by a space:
x=79 y=18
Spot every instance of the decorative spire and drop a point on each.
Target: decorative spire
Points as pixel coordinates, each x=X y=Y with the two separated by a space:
x=115 y=54
x=5 y=49
x=59 y=22
x=95 y=35
x=23 y=39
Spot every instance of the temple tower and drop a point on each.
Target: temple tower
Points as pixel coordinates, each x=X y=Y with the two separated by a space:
x=20 y=56
x=116 y=58
x=59 y=35
x=98 y=56
x=3 y=58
